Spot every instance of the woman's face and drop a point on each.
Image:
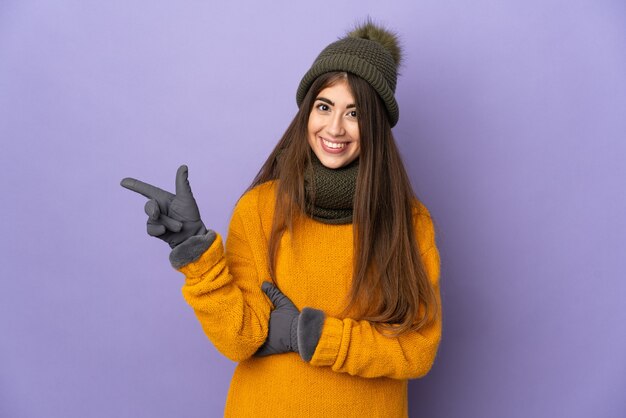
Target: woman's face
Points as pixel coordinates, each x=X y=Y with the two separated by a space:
x=333 y=130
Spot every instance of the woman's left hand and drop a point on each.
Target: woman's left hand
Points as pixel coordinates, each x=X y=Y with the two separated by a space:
x=289 y=329
x=282 y=336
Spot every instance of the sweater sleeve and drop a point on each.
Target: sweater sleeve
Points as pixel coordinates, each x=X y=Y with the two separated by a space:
x=224 y=290
x=357 y=348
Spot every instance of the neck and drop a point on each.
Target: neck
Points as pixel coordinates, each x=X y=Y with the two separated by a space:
x=330 y=192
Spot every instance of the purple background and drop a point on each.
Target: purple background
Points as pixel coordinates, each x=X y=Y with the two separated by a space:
x=513 y=128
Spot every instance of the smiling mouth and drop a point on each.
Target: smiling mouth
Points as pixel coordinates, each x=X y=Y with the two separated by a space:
x=334 y=145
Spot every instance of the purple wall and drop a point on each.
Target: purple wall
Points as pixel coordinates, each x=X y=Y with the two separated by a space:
x=513 y=127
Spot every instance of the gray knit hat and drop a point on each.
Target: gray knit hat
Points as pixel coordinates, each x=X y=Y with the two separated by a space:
x=370 y=52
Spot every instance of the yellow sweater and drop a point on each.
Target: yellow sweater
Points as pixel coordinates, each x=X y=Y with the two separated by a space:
x=355 y=371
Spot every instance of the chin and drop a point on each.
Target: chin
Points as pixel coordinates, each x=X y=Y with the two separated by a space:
x=334 y=163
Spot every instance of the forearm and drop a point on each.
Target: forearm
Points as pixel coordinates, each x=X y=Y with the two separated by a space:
x=347 y=345
x=225 y=296
x=357 y=348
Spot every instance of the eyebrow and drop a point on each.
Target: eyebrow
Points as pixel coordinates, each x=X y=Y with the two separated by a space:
x=325 y=100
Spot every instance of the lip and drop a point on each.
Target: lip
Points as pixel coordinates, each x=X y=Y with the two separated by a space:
x=333 y=150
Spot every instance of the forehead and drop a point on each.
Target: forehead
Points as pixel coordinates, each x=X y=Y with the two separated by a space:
x=339 y=91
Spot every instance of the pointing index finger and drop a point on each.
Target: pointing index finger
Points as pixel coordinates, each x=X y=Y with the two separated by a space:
x=145 y=189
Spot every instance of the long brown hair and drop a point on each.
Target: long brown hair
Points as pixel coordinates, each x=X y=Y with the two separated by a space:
x=389 y=281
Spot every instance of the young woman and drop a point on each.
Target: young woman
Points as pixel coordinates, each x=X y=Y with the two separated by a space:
x=327 y=293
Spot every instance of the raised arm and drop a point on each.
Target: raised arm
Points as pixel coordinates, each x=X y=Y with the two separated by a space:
x=222 y=287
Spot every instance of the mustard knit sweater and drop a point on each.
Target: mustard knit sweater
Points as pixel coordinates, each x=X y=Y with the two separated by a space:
x=355 y=370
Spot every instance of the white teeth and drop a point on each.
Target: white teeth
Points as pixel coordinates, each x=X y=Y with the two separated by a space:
x=334 y=145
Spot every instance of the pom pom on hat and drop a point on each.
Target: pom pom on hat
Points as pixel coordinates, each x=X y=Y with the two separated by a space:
x=389 y=40
x=368 y=51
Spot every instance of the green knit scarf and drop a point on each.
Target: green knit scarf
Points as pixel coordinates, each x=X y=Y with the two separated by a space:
x=330 y=192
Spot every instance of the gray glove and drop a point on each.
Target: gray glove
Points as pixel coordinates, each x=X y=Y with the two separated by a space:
x=282 y=336
x=172 y=218
x=289 y=329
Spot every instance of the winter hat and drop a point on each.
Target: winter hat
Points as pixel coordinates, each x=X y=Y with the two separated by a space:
x=370 y=52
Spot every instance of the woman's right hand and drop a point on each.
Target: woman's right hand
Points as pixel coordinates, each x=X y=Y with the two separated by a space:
x=171 y=217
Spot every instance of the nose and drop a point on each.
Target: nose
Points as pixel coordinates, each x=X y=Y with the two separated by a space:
x=335 y=127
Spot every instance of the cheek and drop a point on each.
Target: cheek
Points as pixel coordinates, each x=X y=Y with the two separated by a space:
x=313 y=124
x=313 y=127
x=357 y=138
x=354 y=133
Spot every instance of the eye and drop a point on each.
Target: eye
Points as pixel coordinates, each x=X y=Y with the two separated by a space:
x=353 y=114
x=323 y=107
